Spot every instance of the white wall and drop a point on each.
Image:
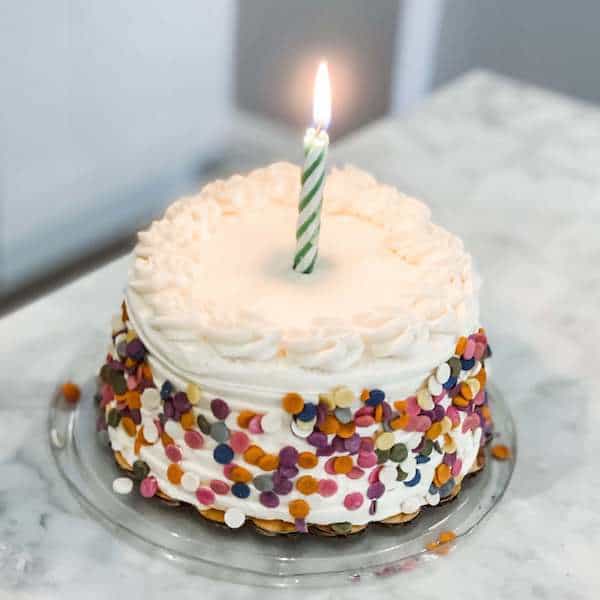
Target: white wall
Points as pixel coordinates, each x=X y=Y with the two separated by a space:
x=107 y=109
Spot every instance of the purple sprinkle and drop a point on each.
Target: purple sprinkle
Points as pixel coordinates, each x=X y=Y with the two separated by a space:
x=181 y=402
x=116 y=365
x=300 y=525
x=326 y=451
x=277 y=477
x=438 y=413
x=269 y=499
x=288 y=472
x=219 y=408
x=352 y=444
x=321 y=413
x=317 y=439
x=387 y=411
x=136 y=415
x=375 y=490
x=288 y=456
x=136 y=350
x=338 y=444
x=169 y=409
x=449 y=459
x=454 y=391
x=283 y=487
x=373 y=507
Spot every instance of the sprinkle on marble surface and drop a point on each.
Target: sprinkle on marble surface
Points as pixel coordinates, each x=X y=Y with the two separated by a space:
x=122 y=485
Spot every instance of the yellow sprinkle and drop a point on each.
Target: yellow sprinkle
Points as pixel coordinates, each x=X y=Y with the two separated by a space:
x=385 y=441
x=424 y=399
x=193 y=393
x=343 y=397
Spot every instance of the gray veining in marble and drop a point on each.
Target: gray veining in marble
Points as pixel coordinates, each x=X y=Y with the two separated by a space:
x=514 y=171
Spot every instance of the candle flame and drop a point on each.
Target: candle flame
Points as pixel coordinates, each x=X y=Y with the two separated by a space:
x=322 y=98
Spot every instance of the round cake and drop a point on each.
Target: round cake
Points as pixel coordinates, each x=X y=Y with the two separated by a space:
x=296 y=402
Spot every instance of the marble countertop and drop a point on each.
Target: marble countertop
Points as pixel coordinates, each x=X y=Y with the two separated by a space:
x=514 y=171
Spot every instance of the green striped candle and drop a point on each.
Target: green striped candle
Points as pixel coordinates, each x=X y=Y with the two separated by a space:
x=316 y=142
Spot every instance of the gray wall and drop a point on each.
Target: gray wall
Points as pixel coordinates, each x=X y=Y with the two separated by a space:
x=280 y=42
x=552 y=43
x=108 y=109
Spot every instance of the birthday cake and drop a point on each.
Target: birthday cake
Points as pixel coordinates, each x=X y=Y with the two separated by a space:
x=297 y=402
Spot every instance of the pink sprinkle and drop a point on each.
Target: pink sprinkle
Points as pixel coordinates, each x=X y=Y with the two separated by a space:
x=412 y=408
x=422 y=423
x=479 y=351
x=329 y=466
x=353 y=501
x=453 y=415
x=327 y=487
x=479 y=398
x=469 y=349
x=355 y=473
x=107 y=395
x=148 y=487
x=364 y=411
x=367 y=459
x=374 y=474
x=471 y=422
x=131 y=382
x=219 y=487
x=239 y=442
x=367 y=444
x=205 y=496
x=254 y=425
x=173 y=453
x=364 y=421
x=193 y=439
x=456 y=467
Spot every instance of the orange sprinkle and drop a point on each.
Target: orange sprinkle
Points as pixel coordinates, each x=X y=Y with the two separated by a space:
x=239 y=474
x=244 y=418
x=292 y=403
x=187 y=420
x=174 y=473
x=501 y=452
x=485 y=413
x=307 y=460
x=128 y=425
x=434 y=431
x=364 y=395
x=298 y=509
x=329 y=425
x=465 y=390
x=139 y=442
x=124 y=315
x=446 y=536
x=253 y=454
x=130 y=363
x=342 y=465
x=400 y=422
x=268 y=462
x=71 y=392
x=481 y=377
x=378 y=414
x=400 y=405
x=442 y=474
x=307 y=485
x=146 y=372
x=460 y=346
x=443 y=544
x=460 y=401
x=347 y=430
x=133 y=399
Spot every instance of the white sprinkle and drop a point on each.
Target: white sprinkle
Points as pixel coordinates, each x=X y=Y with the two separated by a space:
x=122 y=485
x=150 y=430
x=434 y=386
x=271 y=422
x=306 y=425
x=173 y=429
x=442 y=373
x=476 y=368
x=58 y=440
x=300 y=432
x=151 y=399
x=433 y=499
x=388 y=475
x=190 y=482
x=234 y=518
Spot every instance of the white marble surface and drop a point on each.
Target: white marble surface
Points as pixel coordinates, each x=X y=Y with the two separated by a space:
x=515 y=172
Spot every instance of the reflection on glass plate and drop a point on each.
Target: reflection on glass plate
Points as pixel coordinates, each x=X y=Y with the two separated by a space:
x=180 y=535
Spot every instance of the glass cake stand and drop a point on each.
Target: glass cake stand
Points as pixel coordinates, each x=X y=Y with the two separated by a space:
x=179 y=534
